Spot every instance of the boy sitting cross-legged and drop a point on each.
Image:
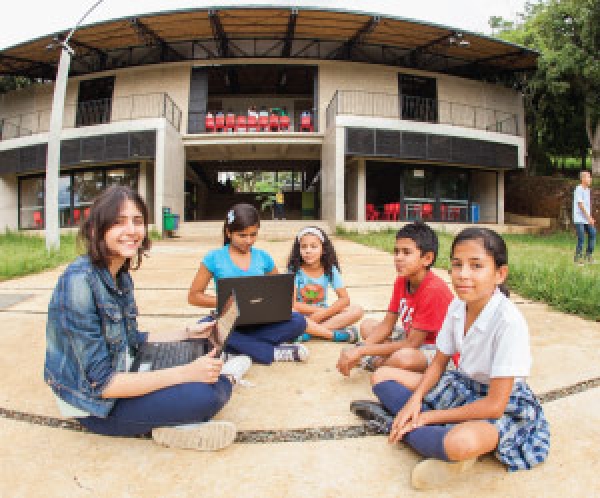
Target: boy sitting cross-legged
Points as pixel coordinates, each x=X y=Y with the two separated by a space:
x=419 y=300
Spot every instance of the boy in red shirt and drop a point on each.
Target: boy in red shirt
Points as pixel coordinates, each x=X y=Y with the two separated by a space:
x=420 y=300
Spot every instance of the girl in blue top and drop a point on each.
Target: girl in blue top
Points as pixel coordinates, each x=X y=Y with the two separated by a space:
x=238 y=258
x=314 y=262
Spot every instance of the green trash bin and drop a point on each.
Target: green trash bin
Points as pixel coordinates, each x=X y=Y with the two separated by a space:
x=168 y=222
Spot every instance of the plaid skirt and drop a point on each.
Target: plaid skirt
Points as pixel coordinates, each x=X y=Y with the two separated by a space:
x=523 y=429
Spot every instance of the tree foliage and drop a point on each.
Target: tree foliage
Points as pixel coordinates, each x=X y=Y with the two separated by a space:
x=563 y=96
x=9 y=83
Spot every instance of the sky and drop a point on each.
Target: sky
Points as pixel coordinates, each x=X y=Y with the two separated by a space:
x=23 y=20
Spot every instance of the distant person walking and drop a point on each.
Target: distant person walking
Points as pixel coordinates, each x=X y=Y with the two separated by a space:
x=279 y=205
x=582 y=218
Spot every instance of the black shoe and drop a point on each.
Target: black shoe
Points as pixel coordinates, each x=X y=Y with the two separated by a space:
x=377 y=417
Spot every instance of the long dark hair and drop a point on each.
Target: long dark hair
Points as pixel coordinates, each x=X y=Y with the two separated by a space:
x=492 y=243
x=238 y=218
x=328 y=257
x=102 y=216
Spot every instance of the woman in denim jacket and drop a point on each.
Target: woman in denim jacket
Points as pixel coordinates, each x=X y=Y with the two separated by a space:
x=92 y=337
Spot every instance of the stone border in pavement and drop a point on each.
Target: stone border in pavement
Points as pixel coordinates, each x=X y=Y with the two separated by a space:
x=287 y=435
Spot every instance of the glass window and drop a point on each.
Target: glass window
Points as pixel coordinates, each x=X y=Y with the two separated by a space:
x=419 y=184
x=64 y=201
x=86 y=186
x=31 y=213
x=454 y=185
x=122 y=176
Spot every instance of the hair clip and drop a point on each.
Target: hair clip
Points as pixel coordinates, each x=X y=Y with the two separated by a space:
x=230 y=217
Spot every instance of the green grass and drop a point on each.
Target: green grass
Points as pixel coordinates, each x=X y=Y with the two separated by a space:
x=22 y=254
x=540 y=268
x=25 y=254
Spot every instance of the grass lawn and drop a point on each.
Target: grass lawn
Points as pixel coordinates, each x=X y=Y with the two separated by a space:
x=540 y=268
x=25 y=254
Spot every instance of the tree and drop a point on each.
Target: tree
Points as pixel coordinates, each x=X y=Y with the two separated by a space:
x=9 y=83
x=569 y=35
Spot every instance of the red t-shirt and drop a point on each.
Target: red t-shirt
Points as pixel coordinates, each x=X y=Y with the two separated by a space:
x=425 y=309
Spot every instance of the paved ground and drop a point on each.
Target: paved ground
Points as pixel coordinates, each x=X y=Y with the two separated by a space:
x=55 y=461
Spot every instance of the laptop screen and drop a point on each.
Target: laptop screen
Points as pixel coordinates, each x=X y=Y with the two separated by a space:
x=225 y=322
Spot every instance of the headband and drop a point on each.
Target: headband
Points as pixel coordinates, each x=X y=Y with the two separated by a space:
x=230 y=217
x=310 y=231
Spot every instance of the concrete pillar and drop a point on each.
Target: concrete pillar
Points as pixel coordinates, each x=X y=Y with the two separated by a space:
x=159 y=178
x=142 y=182
x=9 y=208
x=361 y=191
x=501 y=197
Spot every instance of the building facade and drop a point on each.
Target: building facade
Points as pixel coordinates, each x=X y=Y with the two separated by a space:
x=354 y=116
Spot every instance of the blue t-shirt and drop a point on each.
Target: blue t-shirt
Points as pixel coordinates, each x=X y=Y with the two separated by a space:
x=219 y=263
x=313 y=291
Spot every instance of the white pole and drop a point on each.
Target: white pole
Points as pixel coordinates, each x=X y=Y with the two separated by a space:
x=56 y=124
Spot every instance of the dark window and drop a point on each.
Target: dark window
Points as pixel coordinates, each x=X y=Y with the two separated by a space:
x=418 y=98
x=94 y=102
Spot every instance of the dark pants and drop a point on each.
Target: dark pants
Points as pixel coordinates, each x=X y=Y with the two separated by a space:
x=176 y=405
x=279 y=211
x=581 y=229
x=259 y=341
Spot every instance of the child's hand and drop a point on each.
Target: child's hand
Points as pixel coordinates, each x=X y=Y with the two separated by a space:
x=406 y=420
x=349 y=358
x=199 y=330
x=205 y=369
x=319 y=316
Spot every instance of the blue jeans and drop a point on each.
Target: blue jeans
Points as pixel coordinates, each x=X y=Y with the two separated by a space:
x=581 y=229
x=176 y=405
x=259 y=341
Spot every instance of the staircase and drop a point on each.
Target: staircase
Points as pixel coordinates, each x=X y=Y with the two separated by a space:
x=269 y=229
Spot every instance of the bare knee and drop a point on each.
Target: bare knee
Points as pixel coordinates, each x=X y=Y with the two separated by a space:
x=408 y=359
x=355 y=311
x=463 y=443
x=366 y=327
x=382 y=374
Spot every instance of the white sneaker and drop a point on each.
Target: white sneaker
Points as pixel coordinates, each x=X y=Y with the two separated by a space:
x=432 y=473
x=290 y=352
x=207 y=436
x=236 y=367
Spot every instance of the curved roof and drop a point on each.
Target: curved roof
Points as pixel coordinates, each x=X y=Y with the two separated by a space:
x=271 y=32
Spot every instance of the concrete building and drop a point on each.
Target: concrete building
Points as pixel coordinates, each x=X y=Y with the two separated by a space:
x=357 y=116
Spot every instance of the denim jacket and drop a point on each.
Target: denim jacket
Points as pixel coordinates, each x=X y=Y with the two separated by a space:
x=91 y=329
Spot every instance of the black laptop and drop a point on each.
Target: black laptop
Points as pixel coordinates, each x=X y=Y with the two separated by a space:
x=261 y=299
x=159 y=355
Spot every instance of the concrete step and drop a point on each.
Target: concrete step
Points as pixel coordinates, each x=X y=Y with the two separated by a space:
x=269 y=229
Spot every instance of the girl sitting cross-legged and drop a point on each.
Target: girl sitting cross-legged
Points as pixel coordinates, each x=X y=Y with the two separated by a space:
x=315 y=265
x=452 y=417
x=238 y=258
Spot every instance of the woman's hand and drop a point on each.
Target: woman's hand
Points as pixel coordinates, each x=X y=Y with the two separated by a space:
x=205 y=369
x=200 y=330
x=407 y=419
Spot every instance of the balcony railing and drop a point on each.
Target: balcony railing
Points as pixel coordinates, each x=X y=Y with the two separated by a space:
x=95 y=112
x=384 y=105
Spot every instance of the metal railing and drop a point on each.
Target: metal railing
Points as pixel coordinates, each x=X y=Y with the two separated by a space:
x=95 y=112
x=384 y=105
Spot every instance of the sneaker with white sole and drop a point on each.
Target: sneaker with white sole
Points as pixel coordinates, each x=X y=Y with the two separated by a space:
x=236 y=367
x=206 y=436
x=432 y=473
x=290 y=352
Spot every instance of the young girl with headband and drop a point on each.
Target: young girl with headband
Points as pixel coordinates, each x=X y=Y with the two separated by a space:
x=315 y=265
x=238 y=258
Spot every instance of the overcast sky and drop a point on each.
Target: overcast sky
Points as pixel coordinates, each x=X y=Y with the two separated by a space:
x=23 y=20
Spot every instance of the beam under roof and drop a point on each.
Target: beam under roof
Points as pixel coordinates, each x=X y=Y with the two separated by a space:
x=219 y=34
x=349 y=45
x=289 y=35
x=151 y=38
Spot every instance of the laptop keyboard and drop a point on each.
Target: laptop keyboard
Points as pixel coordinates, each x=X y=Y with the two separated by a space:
x=172 y=354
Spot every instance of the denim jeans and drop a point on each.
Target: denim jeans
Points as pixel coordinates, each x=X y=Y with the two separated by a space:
x=176 y=405
x=581 y=229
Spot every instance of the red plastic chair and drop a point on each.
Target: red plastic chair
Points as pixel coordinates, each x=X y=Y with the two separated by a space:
x=76 y=216
x=241 y=123
x=86 y=213
x=220 y=123
x=443 y=212
x=37 y=219
x=284 y=123
x=306 y=123
x=371 y=213
x=209 y=123
x=427 y=211
x=273 y=122
x=230 y=122
x=454 y=213
x=263 y=123
x=253 y=123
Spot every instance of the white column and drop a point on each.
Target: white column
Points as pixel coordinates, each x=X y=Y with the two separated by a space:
x=361 y=191
x=501 y=197
x=159 y=178
x=339 y=173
